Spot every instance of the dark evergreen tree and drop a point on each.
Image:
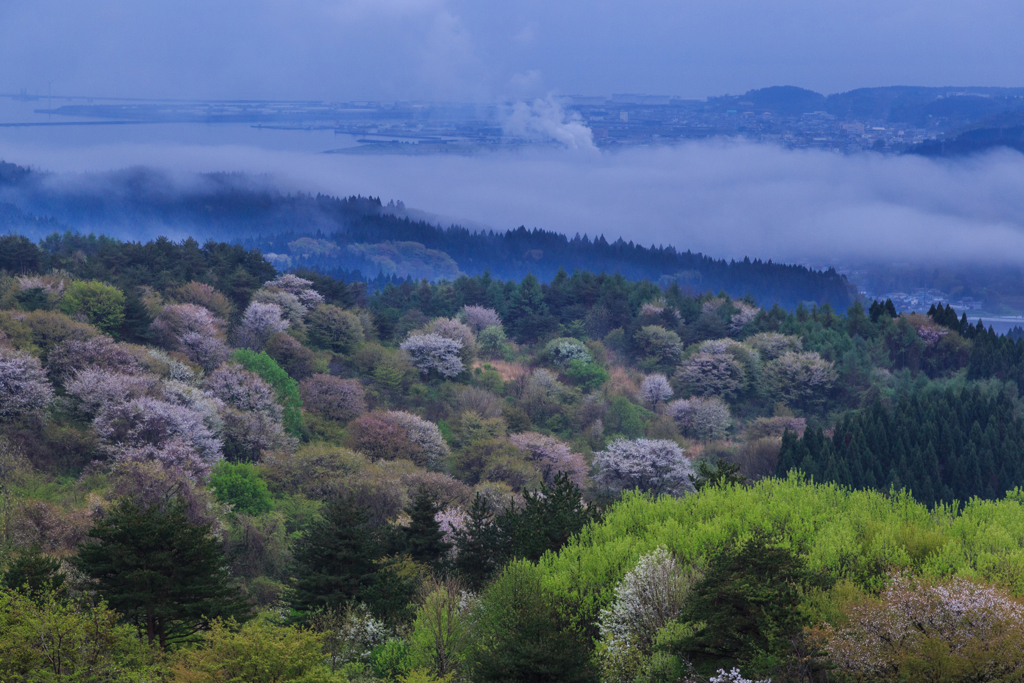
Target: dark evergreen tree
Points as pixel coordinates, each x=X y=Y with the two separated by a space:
x=33 y=570
x=477 y=544
x=168 y=577
x=333 y=562
x=424 y=540
x=749 y=600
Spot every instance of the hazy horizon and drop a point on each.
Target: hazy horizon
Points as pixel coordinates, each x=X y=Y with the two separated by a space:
x=341 y=50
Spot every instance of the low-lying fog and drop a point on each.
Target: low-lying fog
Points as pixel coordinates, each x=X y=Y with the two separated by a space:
x=726 y=199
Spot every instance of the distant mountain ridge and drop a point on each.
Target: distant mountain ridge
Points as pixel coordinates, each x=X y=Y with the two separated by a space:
x=895 y=104
x=354 y=236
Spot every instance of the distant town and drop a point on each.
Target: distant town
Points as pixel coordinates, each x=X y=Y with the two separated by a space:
x=880 y=119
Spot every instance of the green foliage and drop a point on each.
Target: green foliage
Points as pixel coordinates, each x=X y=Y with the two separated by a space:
x=32 y=570
x=242 y=486
x=941 y=445
x=855 y=535
x=165 y=575
x=334 y=559
x=722 y=473
x=748 y=602
x=334 y=329
x=47 y=637
x=519 y=636
x=286 y=388
x=424 y=540
x=260 y=651
x=588 y=376
x=626 y=418
x=100 y=303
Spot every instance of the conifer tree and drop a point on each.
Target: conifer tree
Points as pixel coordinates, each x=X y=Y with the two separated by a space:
x=166 y=576
x=333 y=561
x=477 y=544
x=424 y=540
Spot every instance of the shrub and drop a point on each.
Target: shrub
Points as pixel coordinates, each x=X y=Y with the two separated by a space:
x=261 y=651
x=564 y=350
x=204 y=295
x=49 y=328
x=101 y=304
x=651 y=465
x=242 y=486
x=493 y=342
x=333 y=397
x=334 y=329
x=589 y=376
x=658 y=344
x=290 y=354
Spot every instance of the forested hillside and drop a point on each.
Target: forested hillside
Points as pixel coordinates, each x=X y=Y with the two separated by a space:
x=212 y=470
x=359 y=238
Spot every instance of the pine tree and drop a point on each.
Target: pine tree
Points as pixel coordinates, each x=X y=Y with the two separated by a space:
x=424 y=540
x=334 y=560
x=166 y=576
x=35 y=571
x=477 y=545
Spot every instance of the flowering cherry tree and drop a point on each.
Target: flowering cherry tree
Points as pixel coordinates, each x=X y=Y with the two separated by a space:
x=99 y=352
x=799 y=379
x=24 y=388
x=927 y=628
x=702 y=418
x=259 y=323
x=654 y=390
x=651 y=465
x=479 y=318
x=772 y=344
x=251 y=415
x=648 y=598
x=193 y=330
x=551 y=456
x=434 y=352
x=712 y=374
x=333 y=397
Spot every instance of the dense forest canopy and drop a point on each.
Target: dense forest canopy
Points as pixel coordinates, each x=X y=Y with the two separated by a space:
x=214 y=470
x=359 y=238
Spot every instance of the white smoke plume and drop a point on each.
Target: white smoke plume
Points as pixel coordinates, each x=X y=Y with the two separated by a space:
x=546 y=120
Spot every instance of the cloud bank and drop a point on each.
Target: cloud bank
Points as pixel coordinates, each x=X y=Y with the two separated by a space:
x=724 y=199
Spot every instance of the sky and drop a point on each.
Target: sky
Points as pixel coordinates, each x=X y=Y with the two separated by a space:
x=726 y=199
x=343 y=50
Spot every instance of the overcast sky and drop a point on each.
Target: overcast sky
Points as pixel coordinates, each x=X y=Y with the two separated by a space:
x=481 y=51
